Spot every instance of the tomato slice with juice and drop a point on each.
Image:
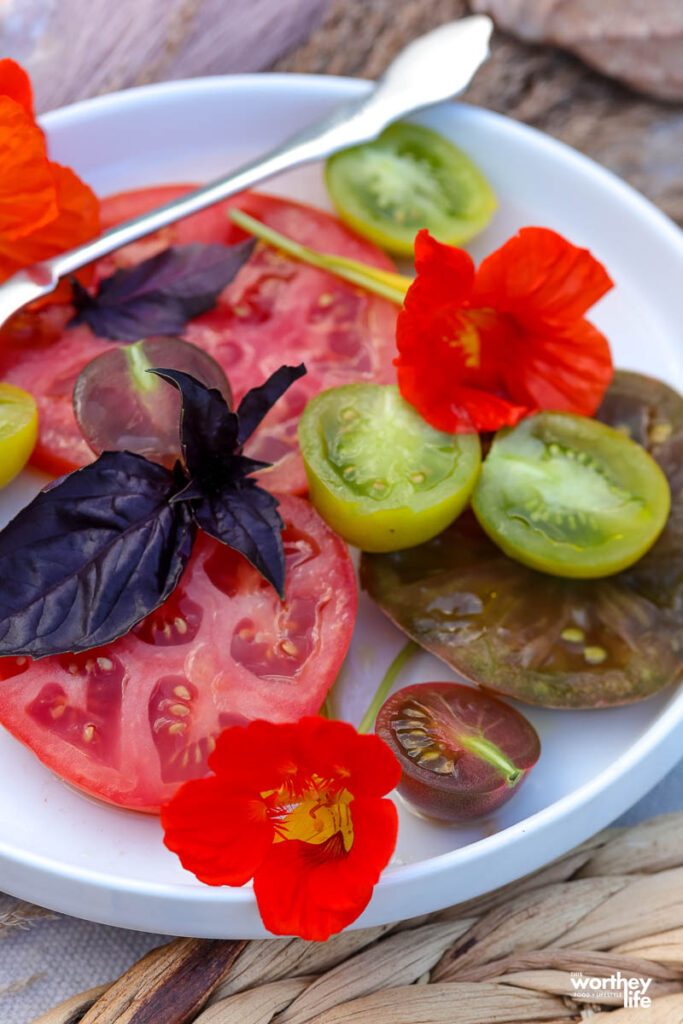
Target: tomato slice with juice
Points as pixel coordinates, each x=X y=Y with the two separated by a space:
x=275 y=311
x=130 y=721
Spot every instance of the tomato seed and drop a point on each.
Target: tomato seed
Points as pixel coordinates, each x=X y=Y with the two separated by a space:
x=573 y=636
x=594 y=655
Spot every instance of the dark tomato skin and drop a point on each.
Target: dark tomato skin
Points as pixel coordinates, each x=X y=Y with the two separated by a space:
x=429 y=726
x=275 y=311
x=131 y=721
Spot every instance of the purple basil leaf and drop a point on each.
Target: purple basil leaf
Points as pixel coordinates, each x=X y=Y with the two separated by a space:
x=245 y=517
x=91 y=556
x=208 y=429
x=160 y=295
x=241 y=467
x=257 y=402
x=226 y=503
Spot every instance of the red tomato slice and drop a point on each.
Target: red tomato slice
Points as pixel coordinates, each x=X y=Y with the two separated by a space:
x=130 y=721
x=275 y=311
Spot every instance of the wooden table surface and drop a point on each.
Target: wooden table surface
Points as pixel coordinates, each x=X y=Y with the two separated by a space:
x=79 y=48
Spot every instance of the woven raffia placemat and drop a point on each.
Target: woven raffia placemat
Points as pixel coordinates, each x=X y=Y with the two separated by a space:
x=612 y=908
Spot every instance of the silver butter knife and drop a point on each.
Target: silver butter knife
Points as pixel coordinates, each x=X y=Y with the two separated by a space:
x=429 y=70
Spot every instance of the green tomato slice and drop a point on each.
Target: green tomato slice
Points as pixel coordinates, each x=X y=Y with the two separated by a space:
x=407 y=179
x=380 y=475
x=570 y=496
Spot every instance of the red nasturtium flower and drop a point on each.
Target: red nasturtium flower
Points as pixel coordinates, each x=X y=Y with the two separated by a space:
x=44 y=208
x=481 y=349
x=297 y=807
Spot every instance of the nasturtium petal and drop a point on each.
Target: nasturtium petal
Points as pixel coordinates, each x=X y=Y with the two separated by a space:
x=76 y=220
x=539 y=276
x=15 y=83
x=479 y=351
x=28 y=191
x=315 y=891
x=221 y=835
x=563 y=368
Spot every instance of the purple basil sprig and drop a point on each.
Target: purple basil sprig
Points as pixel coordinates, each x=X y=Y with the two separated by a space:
x=160 y=295
x=96 y=552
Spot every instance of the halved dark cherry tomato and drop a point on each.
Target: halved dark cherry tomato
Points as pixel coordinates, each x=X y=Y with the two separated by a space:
x=539 y=638
x=128 y=722
x=463 y=753
x=120 y=405
x=407 y=179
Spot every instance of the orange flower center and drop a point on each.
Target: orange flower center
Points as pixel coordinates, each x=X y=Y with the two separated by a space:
x=468 y=343
x=314 y=814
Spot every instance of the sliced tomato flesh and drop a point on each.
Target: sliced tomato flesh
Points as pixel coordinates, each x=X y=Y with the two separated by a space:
x=130 y=721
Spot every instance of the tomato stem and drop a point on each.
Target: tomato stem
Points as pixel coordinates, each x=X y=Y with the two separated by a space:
x=138 y=365
x=382 y=282
x=493 y=755
x=388 y=680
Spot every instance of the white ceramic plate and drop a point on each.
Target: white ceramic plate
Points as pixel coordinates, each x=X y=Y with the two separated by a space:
x=64 y=851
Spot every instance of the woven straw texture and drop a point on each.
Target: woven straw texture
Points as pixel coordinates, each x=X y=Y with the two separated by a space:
x=614 y=904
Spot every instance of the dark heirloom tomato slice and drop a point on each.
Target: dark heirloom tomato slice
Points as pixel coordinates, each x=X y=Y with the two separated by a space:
x=462 y=752
x=130 y=721
x=275 y=311
x=643 y=408
x=542 y=639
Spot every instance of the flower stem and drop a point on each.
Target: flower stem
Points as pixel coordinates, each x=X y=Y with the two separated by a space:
x=326 y=708
x=382 y=282
x=388 y=680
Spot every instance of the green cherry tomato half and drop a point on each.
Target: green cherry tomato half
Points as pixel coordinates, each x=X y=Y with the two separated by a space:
x=570 y=496
x=407 y=179
x=378 y=473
